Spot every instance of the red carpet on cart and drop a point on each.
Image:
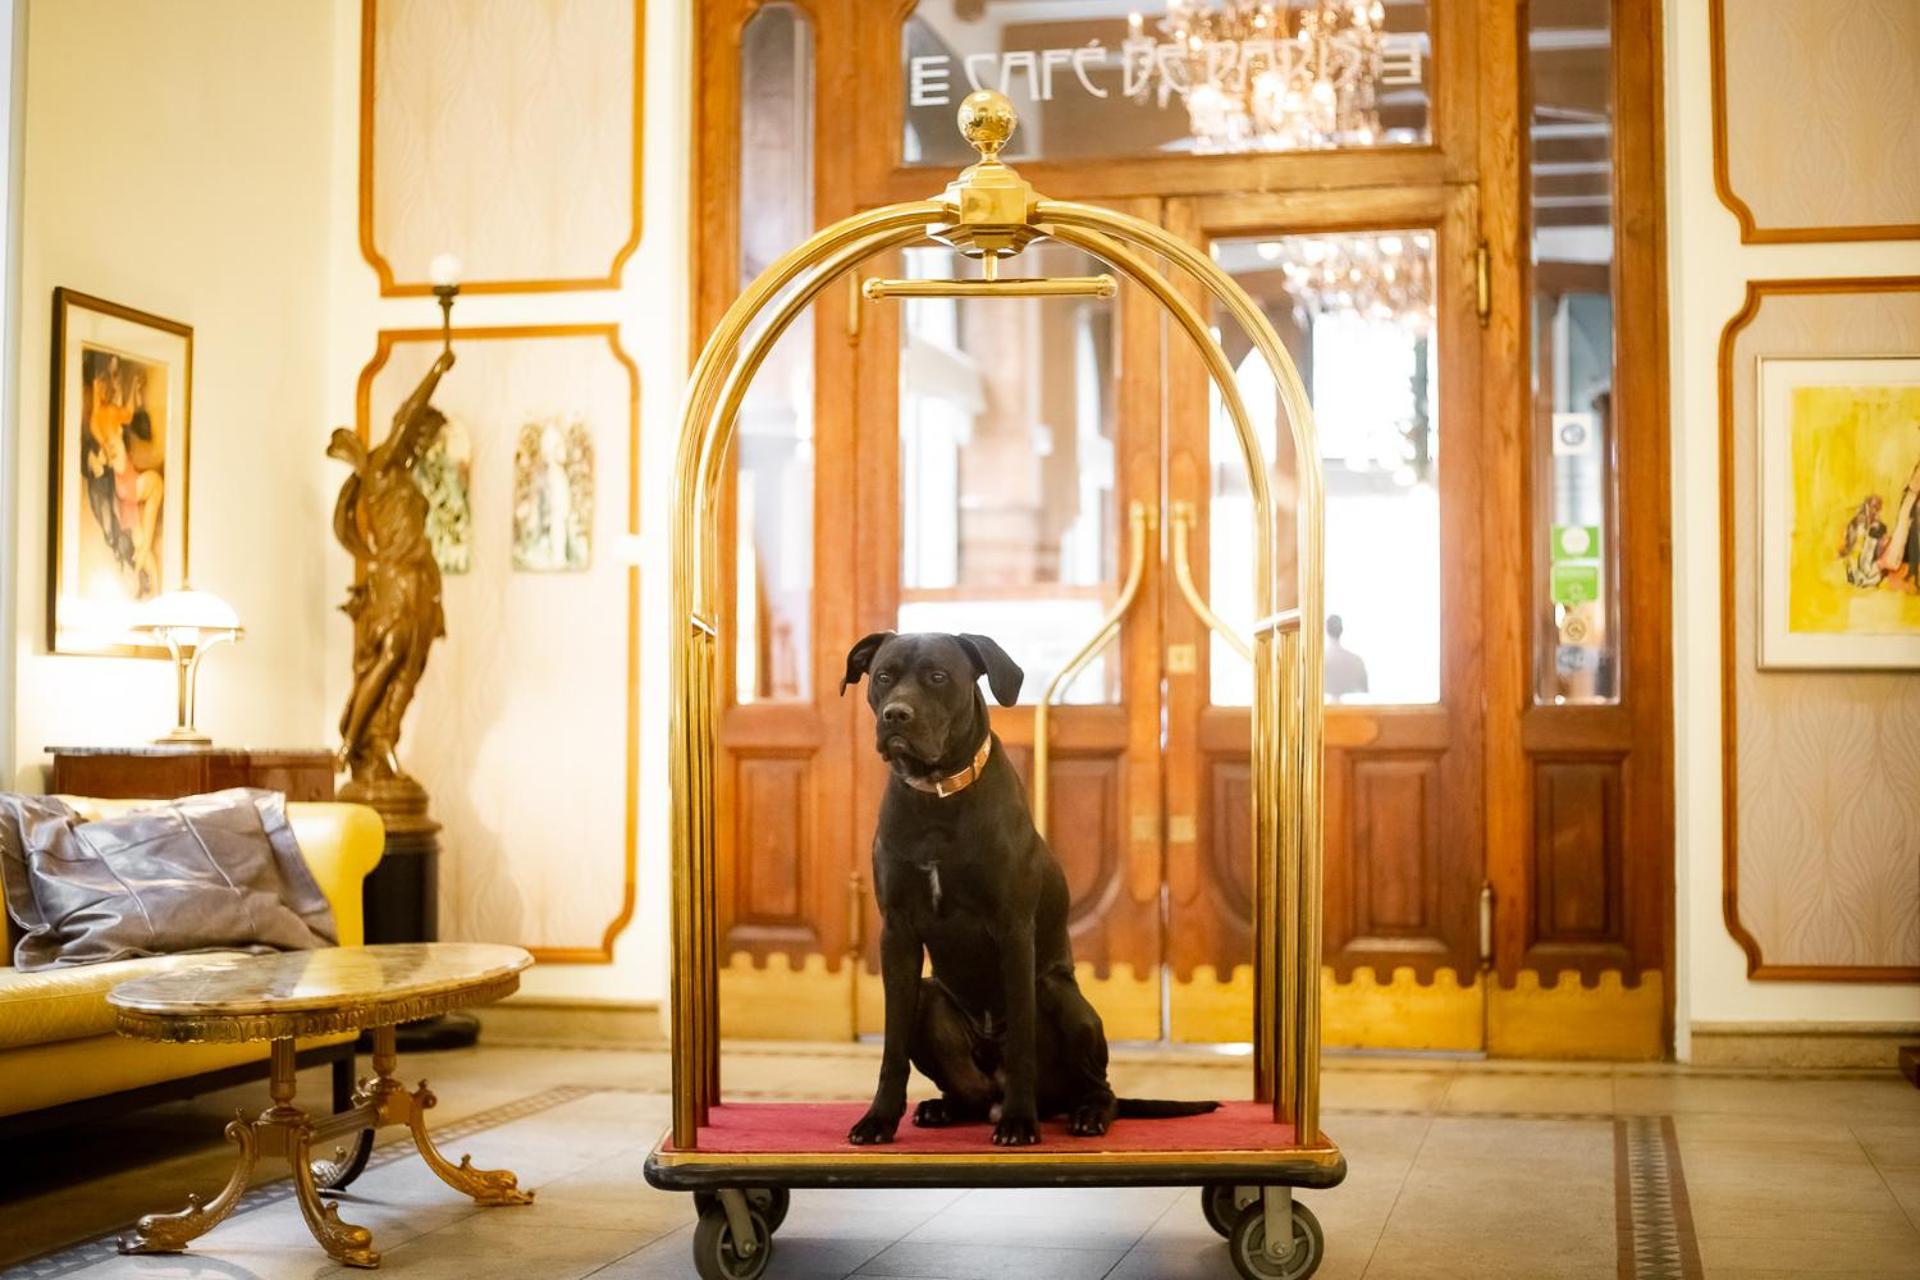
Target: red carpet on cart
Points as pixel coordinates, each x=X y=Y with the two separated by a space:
x=804 y=1127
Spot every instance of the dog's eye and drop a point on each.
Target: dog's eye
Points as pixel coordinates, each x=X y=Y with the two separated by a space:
x=885 y=677
x=936 y=677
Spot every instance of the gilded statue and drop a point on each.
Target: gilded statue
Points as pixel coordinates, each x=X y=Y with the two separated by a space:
x=381 y=517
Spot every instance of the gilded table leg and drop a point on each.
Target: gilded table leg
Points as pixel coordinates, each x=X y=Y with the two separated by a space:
x=293 y=1137
x=343 y=1241
x=171 y=1232
x=486 y=1186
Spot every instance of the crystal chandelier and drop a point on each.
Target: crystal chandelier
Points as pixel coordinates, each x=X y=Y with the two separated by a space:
x=1264 y=76
x=1386 y=278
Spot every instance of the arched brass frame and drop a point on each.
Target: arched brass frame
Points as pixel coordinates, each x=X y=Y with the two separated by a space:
x=990 y=213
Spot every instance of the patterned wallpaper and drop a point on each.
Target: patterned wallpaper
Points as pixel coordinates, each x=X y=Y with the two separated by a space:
x=503 y=131
x=1828 y=763
x=1823 y=111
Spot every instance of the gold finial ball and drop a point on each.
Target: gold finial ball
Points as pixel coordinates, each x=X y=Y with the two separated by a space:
x=987 y=120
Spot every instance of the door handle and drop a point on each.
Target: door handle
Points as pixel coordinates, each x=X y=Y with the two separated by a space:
x=1139 y=529
x=1180 y=525
x=1486 y=924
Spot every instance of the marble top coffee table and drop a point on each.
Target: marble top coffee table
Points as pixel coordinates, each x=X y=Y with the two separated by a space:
x=306 y=993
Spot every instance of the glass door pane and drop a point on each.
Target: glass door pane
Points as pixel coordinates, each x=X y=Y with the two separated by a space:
x=1008 y=480
x=1576 y=606
x=1356 y=311
x=773 y=495
x=1120 y=78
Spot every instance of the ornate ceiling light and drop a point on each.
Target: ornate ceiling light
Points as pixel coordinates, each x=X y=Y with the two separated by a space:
x=1265 y=76
x=1386 y=277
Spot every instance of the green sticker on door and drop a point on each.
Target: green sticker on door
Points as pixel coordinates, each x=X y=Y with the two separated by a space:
x=1575 y=584
x=1576 y=542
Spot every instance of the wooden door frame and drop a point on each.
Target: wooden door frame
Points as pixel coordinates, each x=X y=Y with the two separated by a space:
x=1607 y=979
x=818 y=729
x=1447 y=734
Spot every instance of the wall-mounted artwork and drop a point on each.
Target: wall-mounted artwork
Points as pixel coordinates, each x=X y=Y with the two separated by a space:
x=1840 y=512
x=445 y=475
x=553 y=497
x=123 y=383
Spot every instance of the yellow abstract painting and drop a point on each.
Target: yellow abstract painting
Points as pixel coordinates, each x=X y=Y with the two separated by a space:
x=1855 y=481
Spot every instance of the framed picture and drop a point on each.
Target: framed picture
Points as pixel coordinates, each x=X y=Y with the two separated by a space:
x=1839 y=512
x=553 y=497
x=117 y=502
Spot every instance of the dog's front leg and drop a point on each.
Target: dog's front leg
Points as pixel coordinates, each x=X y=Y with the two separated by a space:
x=1019 y=1124
x=900 y=979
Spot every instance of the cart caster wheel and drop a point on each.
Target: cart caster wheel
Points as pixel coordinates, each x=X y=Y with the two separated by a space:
x=1248 y=1245
x=348 y=1163
x=718 y=1256
x=769 y=1202
x=1222 y=1202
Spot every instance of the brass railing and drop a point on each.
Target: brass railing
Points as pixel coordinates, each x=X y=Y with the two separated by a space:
x=1139 y=533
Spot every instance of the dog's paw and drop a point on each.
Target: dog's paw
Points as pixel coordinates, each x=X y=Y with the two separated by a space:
x=871 y=1130
x=934 y=1113
x=1089 y=1120
x=1016 y=1131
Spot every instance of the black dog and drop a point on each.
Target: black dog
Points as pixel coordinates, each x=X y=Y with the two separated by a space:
x=962 y=876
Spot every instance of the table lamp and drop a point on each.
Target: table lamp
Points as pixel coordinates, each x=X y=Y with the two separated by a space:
x=189 y=623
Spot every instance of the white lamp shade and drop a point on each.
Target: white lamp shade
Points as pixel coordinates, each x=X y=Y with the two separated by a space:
x=186 y=610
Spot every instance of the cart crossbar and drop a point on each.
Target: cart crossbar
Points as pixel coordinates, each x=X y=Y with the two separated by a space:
x=735 y=1128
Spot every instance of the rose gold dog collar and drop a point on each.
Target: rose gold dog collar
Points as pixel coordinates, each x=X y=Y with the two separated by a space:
x=954 y=783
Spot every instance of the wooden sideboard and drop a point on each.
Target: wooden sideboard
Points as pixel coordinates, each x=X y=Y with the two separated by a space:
x=163 y=772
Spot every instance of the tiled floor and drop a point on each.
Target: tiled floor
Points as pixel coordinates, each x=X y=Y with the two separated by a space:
x=1485 y=1170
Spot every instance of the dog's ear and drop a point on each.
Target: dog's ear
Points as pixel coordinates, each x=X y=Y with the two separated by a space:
x=1003 y=674
x=860 y=657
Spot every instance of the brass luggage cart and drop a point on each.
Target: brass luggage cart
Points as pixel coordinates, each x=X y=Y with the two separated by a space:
x=739 y=1159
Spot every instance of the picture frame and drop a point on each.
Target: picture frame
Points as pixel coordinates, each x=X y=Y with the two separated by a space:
x=118 y=471
x=1839 y=512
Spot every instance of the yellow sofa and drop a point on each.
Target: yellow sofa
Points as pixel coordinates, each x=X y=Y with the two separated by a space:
x=58 y=1047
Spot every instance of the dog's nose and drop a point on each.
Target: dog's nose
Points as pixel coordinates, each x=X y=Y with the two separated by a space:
x=896 y=713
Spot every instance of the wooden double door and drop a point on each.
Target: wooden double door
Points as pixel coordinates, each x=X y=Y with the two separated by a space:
x=1026 y=468
x=1497 y=805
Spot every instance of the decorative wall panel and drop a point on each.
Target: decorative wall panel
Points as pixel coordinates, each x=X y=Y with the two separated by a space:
x=1816 y=121
x=524 y=728
x=507 y=132
x=1822 y=769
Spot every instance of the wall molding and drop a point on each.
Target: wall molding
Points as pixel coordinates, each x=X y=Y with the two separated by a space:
x=1801 y=1045
x=577 y=1022
x=390 y=287
x=386 y=341
x=1751 y=232
x=1758 y=969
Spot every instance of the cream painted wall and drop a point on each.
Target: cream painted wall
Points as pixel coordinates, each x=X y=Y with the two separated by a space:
x=13 y=26
x=175 y=160
x=651 y=309
x=1708 y=269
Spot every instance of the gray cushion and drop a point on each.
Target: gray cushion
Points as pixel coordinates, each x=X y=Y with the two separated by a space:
x=213 y=872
